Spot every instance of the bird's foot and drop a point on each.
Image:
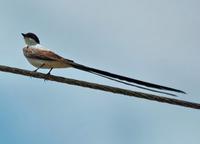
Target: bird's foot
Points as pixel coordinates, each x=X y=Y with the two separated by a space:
x=47 y=75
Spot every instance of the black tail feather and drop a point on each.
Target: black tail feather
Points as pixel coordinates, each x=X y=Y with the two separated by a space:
x=134 y=85
x=113 y=76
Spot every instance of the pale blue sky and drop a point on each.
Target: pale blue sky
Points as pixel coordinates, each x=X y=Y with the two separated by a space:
x=156 y=41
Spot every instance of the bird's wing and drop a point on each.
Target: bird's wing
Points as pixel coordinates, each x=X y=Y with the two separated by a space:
x=43 y=54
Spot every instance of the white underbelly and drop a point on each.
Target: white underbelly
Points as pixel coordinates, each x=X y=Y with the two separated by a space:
x=47 y=64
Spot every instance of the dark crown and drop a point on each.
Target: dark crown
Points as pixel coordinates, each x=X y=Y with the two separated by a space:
x=31 y=35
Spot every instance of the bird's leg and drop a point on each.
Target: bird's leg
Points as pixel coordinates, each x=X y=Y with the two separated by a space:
x=48 y=74
x=39 y=67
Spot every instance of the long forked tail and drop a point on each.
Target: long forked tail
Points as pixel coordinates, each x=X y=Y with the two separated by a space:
x=126 y=80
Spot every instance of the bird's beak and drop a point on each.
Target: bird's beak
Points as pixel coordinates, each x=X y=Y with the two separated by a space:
x=23 y=34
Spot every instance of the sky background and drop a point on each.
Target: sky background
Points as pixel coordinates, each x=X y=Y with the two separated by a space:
x=157 y=41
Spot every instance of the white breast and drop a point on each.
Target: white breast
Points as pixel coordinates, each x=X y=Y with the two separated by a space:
x=47 y=64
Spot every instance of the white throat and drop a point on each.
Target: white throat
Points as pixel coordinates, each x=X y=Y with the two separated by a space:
x=30 y=42
x=33 y=44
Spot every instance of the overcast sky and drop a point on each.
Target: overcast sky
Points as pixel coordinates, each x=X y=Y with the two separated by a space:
x=157 y=41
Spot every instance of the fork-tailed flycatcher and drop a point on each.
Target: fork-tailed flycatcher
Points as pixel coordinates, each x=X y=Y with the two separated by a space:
x=40 y=57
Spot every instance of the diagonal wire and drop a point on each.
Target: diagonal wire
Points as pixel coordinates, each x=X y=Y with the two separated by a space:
x=111 y=89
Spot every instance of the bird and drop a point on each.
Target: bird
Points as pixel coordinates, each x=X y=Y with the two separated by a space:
x=43 y=58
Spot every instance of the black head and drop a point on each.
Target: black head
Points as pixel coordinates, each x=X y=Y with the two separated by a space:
x=32 y=36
